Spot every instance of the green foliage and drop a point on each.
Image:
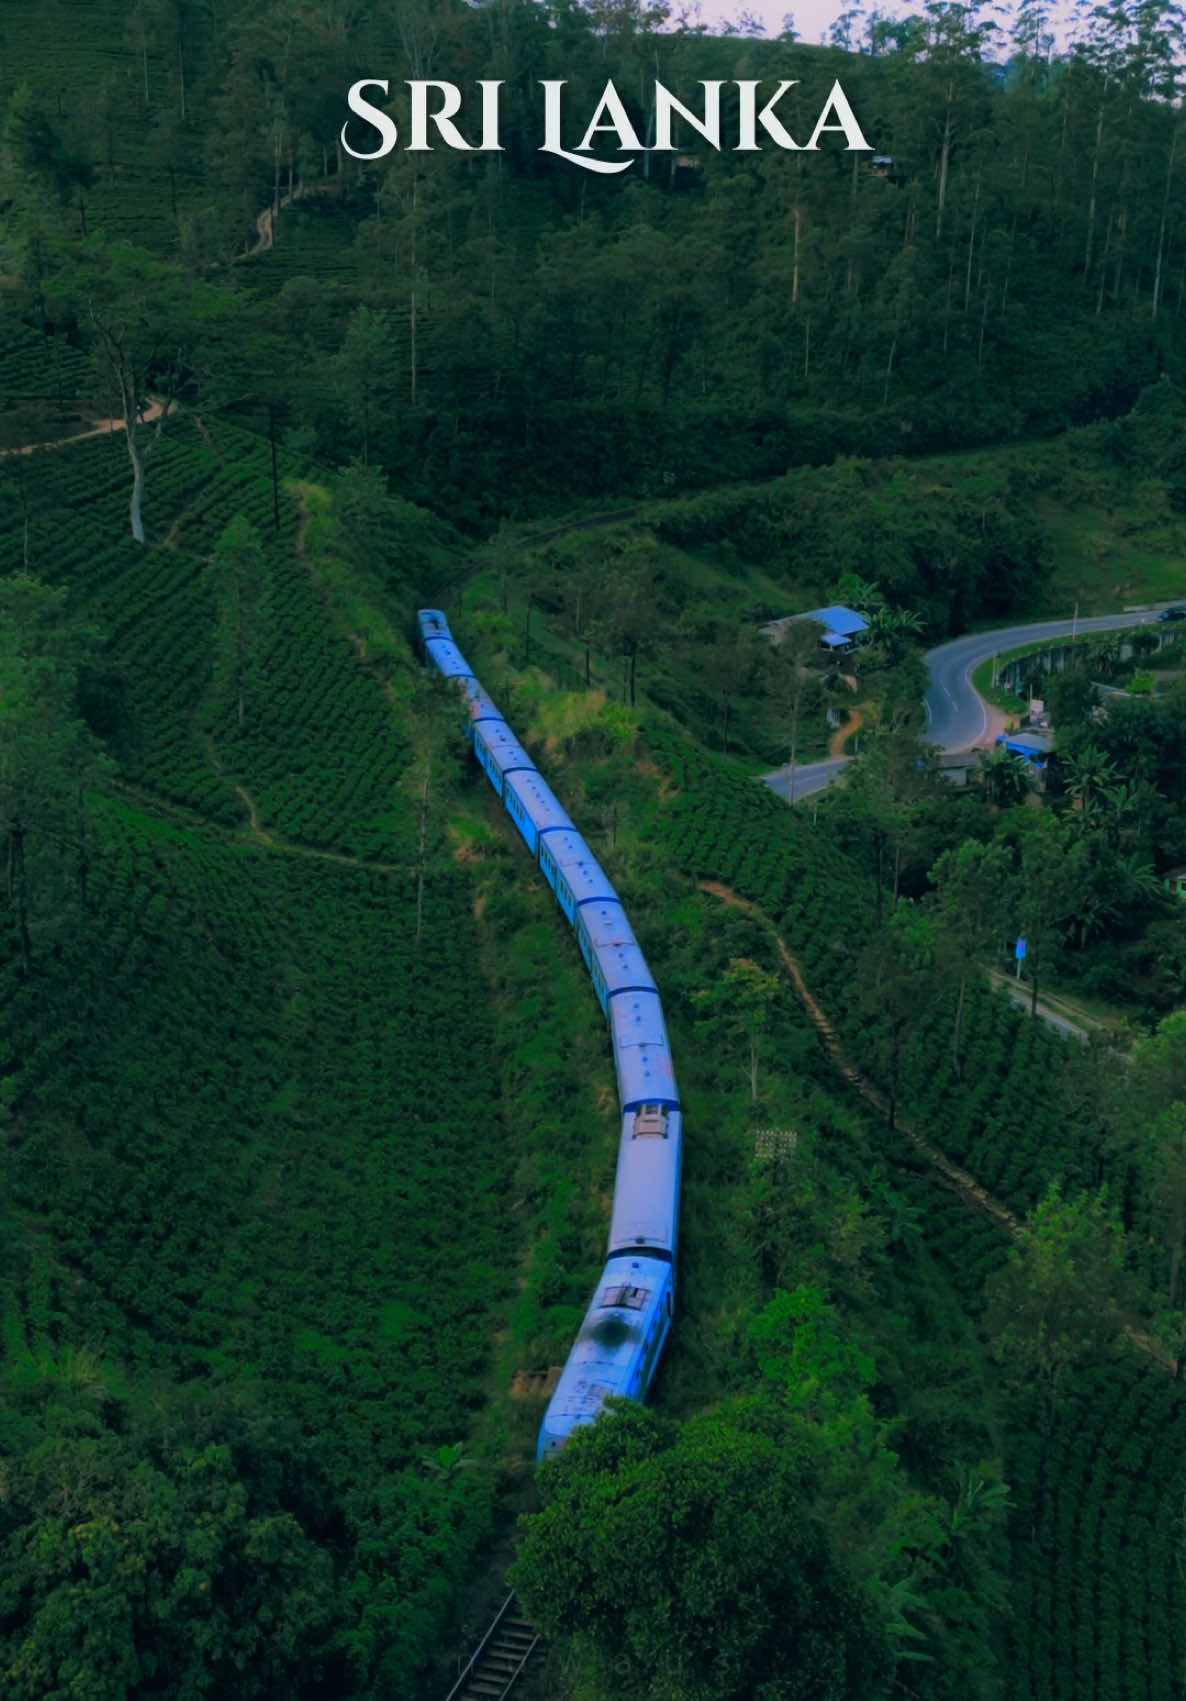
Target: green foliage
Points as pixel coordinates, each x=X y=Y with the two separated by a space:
x=47 y=755
x=740 y=1005
x=743 y=1598
x=1053 y=1304
x=134 y=1563
x=1097 y=1525
x=227 y=1152
x=239 y=580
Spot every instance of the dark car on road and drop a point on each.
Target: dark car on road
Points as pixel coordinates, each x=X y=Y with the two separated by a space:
x=1178 y=613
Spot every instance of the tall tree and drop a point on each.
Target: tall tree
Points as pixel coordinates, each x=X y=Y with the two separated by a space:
x=973 y=890
x=796 y=685
x=745 y=1596
x=1054 y=869
x=742 y=1004
x=150 y=325
x=1055 y=1302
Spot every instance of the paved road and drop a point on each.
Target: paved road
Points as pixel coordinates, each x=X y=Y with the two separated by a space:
x=958 y=718
x=1021 y=994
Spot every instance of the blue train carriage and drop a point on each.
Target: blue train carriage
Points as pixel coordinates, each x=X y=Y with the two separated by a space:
x=432 y=624
x=482 y=706
x=573 y=872
x=650 y=1155
x=617 y=1349
x=439 y=648
x=499 y=752
x=645 y=1216
x=642 y=1055
x=534 y=807
x=610 y=950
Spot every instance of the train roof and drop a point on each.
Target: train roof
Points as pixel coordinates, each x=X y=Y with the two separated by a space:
x=586 y=879
x=482 y=706
x=622 y=966
x=448 y=658
x=584 y=874
x=646 y=1074
x=543 y=807
x=606 y=923
x=432 y=623
x=568 y=847
x=646 y=1191
x=637 y=1019
x=605 y=1353
x=505 y=749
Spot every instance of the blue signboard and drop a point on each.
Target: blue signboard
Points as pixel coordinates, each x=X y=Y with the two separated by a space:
x=1019 y=950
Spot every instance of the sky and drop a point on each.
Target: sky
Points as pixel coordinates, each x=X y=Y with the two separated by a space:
x=813 y=18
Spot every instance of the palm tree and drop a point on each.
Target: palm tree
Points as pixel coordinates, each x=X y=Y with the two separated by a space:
x=447 y=1461
x=1093 y=781
x=1104 y=656
x=890 y=627
x=1137 y=881
x=1097 y=910
x=858 y=593
x=1008 y=777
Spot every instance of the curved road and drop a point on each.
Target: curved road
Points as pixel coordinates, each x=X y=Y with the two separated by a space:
x=958 y=717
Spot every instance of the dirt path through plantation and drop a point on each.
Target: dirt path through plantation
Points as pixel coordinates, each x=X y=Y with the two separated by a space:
x=265 y=224
x=964 y=1184
x=100 y=428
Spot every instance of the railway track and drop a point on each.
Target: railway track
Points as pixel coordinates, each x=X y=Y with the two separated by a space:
x=500 y=1659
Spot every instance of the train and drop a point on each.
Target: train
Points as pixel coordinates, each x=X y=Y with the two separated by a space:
x=629 y=1316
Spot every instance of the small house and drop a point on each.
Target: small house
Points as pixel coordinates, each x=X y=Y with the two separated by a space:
x=1175 y=883
x=842 y=627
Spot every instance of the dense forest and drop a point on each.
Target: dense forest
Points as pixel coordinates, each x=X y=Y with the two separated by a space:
x=306 y=1111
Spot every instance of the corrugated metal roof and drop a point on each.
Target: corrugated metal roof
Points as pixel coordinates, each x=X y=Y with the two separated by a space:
x=1028 y=743
x=837 y=621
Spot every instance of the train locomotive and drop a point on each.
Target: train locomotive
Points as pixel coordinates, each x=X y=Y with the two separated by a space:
x=629 y=1316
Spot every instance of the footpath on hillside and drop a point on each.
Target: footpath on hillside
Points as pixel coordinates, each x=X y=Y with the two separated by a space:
x=959 y=1179
x=100 y=428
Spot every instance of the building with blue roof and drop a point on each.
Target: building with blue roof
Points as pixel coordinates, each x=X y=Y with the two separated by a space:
x=842 y=626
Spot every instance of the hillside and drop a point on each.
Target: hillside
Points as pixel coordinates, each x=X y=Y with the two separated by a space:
x=307 y=1122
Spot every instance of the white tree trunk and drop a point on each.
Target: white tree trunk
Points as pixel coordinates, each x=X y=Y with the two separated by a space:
x=136 y=456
